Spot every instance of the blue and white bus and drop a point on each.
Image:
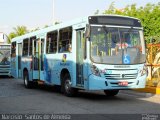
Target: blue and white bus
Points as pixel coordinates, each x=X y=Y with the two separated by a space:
x=104 y=52
x=5 y=59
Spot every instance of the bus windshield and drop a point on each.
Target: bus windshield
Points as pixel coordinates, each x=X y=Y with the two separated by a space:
x=113 y=45
x=4 y=56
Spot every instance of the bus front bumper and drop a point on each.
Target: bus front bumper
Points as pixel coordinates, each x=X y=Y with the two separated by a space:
x=99 y=83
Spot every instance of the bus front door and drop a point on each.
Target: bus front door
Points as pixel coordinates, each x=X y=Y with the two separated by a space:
x=80 y=58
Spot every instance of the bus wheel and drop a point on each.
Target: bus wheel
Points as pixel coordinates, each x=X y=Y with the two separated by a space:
x=27 y=83
x=111 y=92
x=68 y=90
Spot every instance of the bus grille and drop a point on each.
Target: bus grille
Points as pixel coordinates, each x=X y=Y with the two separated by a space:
x=5 y=69
x=124 y=75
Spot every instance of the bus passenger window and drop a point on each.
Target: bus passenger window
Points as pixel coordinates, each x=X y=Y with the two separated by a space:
x=25 y=47
x=62 y=48
x=51 y=46
x=65 y=40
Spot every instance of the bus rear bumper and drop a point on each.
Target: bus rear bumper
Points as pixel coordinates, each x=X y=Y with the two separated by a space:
x=99 y=83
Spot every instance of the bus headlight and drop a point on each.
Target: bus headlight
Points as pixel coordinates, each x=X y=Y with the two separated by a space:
x=95 y=70
x=144 y=70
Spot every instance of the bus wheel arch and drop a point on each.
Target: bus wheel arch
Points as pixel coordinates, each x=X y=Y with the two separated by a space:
x=63 y=72
x=66 y=87
x=27 y=83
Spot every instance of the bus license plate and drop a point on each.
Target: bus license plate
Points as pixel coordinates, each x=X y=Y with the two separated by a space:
x=123 y=83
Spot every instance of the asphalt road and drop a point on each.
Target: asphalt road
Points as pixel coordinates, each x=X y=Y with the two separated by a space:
x=16 y=99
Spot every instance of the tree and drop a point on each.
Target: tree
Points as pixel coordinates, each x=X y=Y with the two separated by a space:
x=18 y=31
x=149 y=16
x=111 y=9
x=11 y=36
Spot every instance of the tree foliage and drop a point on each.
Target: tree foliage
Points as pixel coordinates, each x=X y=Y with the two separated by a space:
x=18 y=31
x=149 y=16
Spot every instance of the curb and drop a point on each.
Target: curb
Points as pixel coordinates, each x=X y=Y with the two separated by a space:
x=140 y=93
x=148 y=89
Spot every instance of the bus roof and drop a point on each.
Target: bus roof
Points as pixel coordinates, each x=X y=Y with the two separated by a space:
x=114 y=15
x=52 y=28
x=62 y=25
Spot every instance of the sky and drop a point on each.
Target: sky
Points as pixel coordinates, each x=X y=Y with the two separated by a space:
x=38 y=13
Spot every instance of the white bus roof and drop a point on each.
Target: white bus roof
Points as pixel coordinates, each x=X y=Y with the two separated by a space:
x=51 y=28
x=61 y=25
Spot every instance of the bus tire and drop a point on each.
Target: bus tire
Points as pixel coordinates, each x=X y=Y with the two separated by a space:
x=111 y=92
x=27 y=83
x=67 y=88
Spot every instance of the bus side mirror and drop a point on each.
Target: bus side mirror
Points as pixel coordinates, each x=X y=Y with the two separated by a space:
x=87 y=32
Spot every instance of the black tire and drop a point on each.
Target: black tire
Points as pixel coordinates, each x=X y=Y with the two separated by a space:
x=27 y=83
x=67 y=88
x=111 y=92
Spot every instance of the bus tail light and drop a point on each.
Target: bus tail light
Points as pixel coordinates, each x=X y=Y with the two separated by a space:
x=95 y=70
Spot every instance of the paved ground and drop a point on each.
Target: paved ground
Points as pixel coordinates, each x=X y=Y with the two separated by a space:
x=15 y=99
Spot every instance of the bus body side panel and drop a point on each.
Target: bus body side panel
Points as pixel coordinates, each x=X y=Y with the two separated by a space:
x=66 y=62
x=54 y=64
x=51 y=75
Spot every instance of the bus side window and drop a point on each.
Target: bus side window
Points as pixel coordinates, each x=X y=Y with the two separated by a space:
x=13 y=49
x=51 y=46
x=25 y=47
x=65 y=40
